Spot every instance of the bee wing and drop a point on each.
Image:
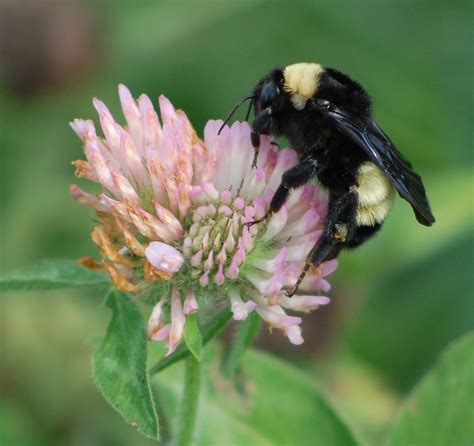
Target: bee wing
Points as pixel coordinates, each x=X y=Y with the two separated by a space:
x=373 y=140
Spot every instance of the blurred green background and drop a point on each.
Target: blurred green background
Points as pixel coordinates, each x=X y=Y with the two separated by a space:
x=396 y=303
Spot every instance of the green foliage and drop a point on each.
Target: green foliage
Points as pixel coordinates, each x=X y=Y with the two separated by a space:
x=51 y=274
x=120 y=366
x=440 y=410
x=305 y=413
x=245 y=333
x=401 y=330
x=280 y=405
x=192 y=336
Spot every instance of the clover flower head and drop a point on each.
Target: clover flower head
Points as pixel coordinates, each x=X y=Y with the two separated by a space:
x=172 y=218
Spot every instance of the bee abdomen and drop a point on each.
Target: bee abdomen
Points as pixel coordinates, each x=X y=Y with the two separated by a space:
x=375 y=195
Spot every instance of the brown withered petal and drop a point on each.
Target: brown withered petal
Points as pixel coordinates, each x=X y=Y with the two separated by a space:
x=84 y=170
x=119 y=280
x=90 y=263
x=101 y=238
x=130 y=240
x=153 y=274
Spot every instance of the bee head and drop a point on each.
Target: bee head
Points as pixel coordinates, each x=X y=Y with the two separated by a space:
x=309 y=89
x=268 y=92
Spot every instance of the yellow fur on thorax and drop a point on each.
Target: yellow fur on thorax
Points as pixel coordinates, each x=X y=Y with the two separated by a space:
x=301 y=81
x=375 y=195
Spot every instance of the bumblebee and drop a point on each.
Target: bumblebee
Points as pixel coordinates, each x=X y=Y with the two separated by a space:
x=327 y=118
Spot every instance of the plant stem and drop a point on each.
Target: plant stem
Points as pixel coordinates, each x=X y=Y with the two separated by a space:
x=243 y=338
x=190 y=402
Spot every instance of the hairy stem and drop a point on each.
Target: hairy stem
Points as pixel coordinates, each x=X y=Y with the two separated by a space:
x=243 y=338
x=189 y=403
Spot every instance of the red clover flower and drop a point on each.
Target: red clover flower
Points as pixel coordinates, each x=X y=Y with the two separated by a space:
x=172 y=213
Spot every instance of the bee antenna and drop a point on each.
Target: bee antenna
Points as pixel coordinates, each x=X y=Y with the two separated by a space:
x=248 y=112
x=234 y=110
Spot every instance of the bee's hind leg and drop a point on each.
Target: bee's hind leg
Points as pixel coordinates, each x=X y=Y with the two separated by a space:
x=325 y=248
x=340 y=226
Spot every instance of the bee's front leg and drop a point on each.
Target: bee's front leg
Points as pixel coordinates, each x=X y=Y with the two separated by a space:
x=255 y=138
x=262 y=125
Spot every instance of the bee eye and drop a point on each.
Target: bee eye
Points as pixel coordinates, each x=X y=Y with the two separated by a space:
x=268 y=94
x=323 y=104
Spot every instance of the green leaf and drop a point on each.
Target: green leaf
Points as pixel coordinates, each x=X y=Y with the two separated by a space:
x=208 y=329
x=440 y=411
x=281 y=406
x=192 y=336
x=51 y=274
x=282 y=392
x=120 y=367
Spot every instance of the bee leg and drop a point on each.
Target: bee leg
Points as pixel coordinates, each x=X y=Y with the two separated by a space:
x=323 y=248
x=340 y=226
x=295 y=177
x=255 y=138
x=262 y=125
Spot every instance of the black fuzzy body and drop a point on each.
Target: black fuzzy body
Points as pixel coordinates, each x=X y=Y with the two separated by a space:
x=327 y=118
x=310 y=133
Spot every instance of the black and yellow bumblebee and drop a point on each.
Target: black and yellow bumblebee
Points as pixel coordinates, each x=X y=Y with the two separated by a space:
x=327 y=118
